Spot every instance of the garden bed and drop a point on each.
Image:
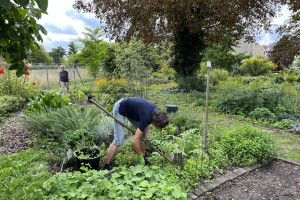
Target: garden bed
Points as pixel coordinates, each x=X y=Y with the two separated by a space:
x=276 y=180
x=13 y=138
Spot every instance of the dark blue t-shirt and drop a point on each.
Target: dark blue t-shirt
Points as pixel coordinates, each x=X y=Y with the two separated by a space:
x=138 y=109
x=64 y=76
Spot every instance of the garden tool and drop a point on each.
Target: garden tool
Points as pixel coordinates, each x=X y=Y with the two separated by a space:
x=131 y=130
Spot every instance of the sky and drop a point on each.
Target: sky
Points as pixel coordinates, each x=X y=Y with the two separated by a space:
x=65 y=24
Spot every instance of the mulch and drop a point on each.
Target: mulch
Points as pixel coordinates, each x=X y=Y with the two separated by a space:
x=278 y=180
x=13 y=138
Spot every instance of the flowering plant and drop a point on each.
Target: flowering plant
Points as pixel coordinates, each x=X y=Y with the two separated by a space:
x=11 y=84
x=258 y=66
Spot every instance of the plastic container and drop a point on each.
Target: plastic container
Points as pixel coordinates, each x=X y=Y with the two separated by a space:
x=92 y=163
x=171 y=108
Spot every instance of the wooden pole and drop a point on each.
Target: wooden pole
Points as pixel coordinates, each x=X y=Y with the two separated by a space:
x=47 y=76
x=206 y=107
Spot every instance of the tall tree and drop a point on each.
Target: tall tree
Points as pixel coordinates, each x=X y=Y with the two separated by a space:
x=189 y=23
x=20 y=30
x=284 y=51
x=41 y=56
x=57 y=54
x=72 y=48
x=92 y=50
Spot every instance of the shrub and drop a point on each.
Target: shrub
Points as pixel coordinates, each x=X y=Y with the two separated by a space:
x=218 y=75
x=76 y=97
x=185 y=121
x=11 y=84
x=258 y=66
x=246 y=145
x=139 y=182
x=71 y=137
x=190 y=83
x=46 y=101
x=262 y=114
x=62 y=119
x=284 y=124
x=111 y=85
x=10 y=104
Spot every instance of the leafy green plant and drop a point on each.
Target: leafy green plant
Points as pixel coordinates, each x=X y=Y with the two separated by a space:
x=284 y=124
x=88 y=152
x=246 y=145
x=262 y=114
x=22 y=175
x=218 y=75
x=76 y=97
x=190 y=83
x=46 y=101
x=11 y=84
x=185 y=121
x=139 y=182
x=10 y=104
x=71 y=137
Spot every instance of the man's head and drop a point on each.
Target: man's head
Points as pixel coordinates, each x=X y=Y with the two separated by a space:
x=160 y=118
x=62 y=67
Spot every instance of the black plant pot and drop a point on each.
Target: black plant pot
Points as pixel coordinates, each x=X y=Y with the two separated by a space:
x=92 y=162
x=171 y=108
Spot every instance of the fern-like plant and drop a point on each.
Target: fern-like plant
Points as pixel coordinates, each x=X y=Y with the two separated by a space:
x=63 y=119
x=296 y=127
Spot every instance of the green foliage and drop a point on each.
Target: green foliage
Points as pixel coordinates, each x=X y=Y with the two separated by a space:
x=92 y=50
x=23 y=174
x=258 y=66
x=76 y=97
x=130 y=159
x=221 y=55
x=40 y=56
x=57 y=54
x=284 y=124
x=185 y=55
x=110 y=61
x=10 y=104
x=20 y=34
x=11 y=84
x=262 y=114
x=185 y=121
x=71 y=137
x=62 y=119
x=140 y=182
x=46 y=101
x=135 y=58
x=246 y=145
x=190 y=83
x=296 y=127
x=218 y=75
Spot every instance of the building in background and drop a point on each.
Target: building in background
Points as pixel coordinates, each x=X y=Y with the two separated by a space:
x=251 y=48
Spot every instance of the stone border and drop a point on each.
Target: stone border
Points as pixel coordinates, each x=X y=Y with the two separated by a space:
x=232 y=175
x=222 y=179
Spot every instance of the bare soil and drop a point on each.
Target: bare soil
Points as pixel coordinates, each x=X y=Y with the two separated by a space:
x=13 y=138
x=278 y=180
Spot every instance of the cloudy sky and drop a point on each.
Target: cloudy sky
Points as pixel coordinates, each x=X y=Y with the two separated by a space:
x=64 y=24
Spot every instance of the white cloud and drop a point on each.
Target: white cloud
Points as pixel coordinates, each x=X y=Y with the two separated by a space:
x=58 y=11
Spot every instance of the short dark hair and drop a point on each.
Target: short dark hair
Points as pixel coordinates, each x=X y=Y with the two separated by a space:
x=160 y=118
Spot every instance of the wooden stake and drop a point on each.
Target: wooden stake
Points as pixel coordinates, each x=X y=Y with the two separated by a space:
x=206 y=107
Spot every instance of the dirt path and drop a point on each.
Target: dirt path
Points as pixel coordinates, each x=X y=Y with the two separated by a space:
x=13 y=138
x=278 y=180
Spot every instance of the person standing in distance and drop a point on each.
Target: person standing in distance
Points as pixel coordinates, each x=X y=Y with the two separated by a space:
x=64 y=79
x=140 y=113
